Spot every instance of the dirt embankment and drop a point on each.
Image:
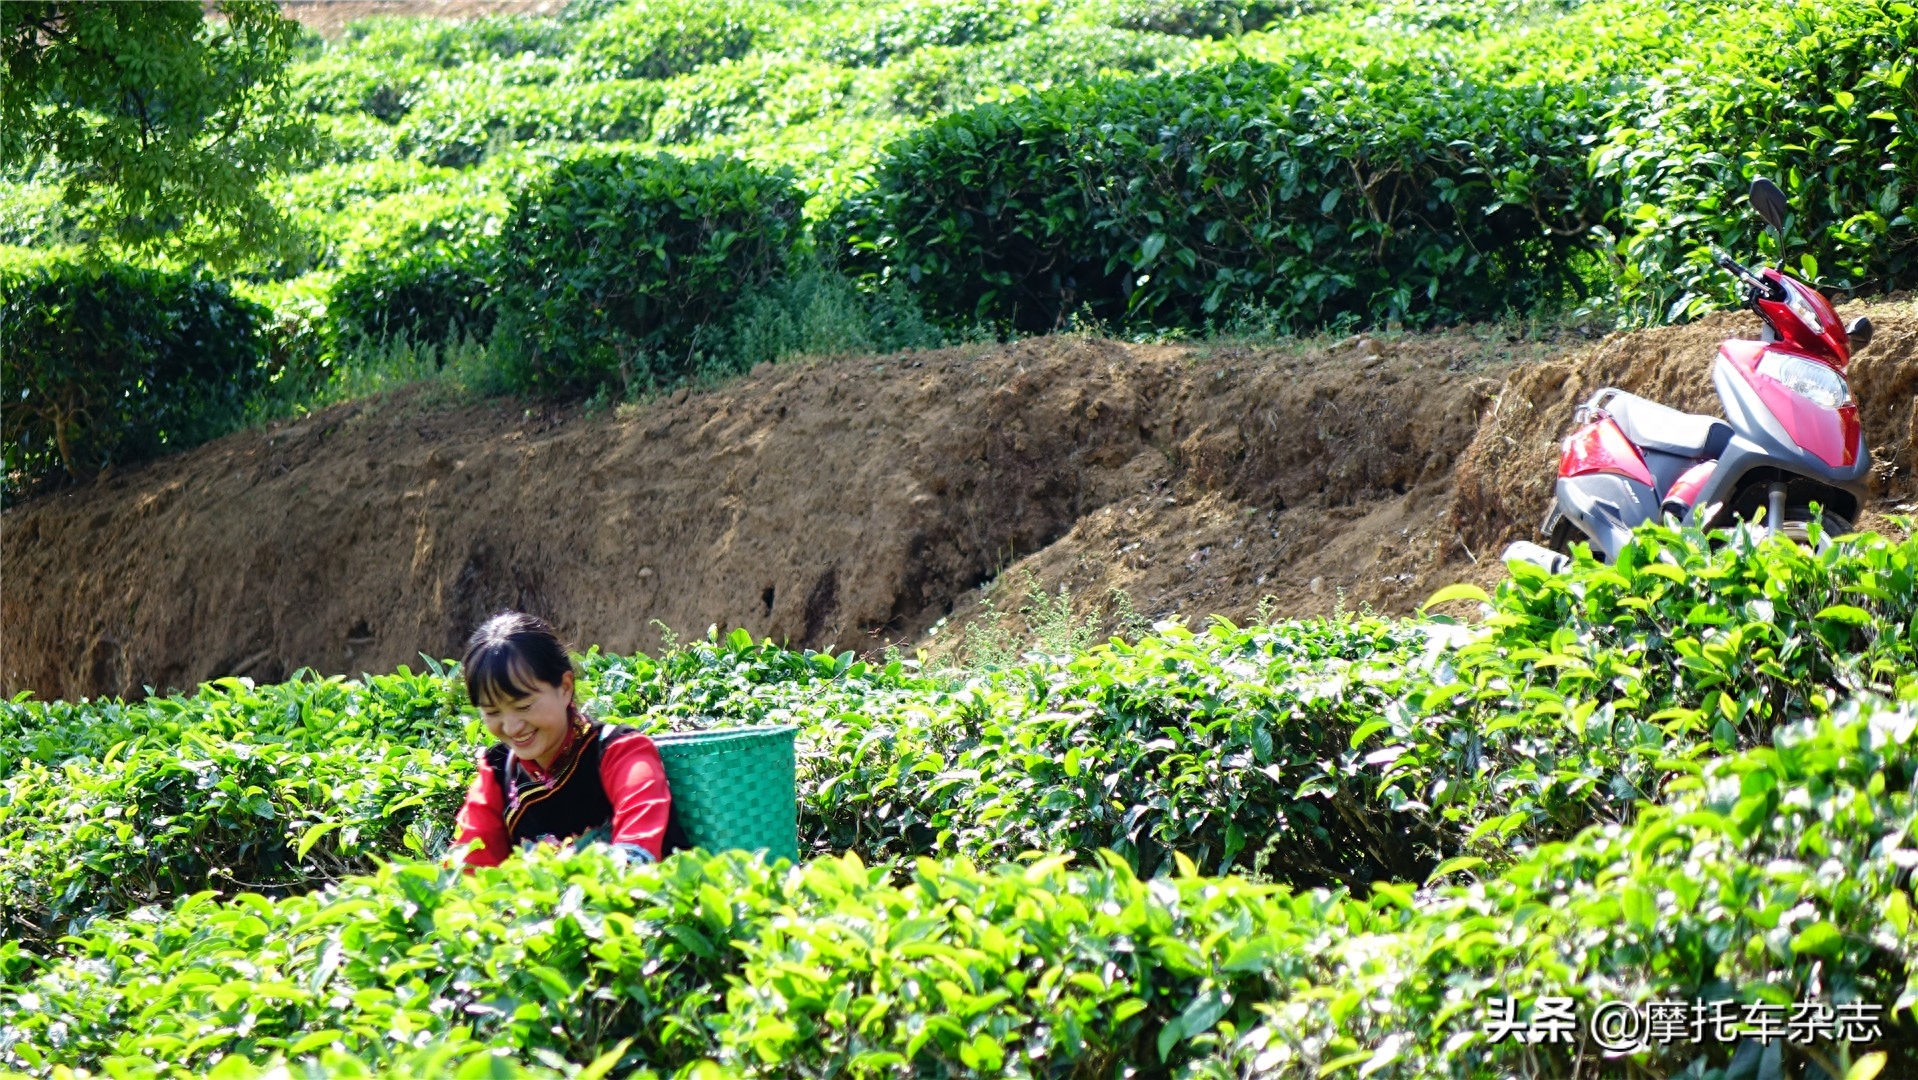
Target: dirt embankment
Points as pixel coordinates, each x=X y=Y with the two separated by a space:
x=851 y=502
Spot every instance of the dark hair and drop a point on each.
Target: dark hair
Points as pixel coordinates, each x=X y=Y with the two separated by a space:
x=508 y=653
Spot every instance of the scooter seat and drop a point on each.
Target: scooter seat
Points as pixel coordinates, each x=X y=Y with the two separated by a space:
x=1660 y=427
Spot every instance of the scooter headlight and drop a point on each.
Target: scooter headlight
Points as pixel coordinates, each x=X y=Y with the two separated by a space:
x=1806 y=378
x=1801 y=306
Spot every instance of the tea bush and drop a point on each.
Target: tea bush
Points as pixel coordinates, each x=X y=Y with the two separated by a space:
x=449 y=1059
x=155 y=819
x=760 y=92
x=1353 y=752
x=429 y=295
x=1198 y=18
x=1820 y=98
x=451 y=43
x=457 y=123
x=345 y=83
x=112 y=364
x=1144 y=165
x=1769 y=877
x=1395 y=190
x=111 y=805
x=870 y=34
x=939 y=79
x=616 y=267
x=657 y=39
x=1728 y=893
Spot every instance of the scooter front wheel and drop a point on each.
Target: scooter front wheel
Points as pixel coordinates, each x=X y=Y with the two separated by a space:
x=1797 y=528
x=1561 y=533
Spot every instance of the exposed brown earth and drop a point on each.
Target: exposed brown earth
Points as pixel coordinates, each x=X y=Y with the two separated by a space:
x=850 y=502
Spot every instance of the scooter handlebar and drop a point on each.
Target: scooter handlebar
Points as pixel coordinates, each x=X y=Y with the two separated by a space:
x=1758 y=284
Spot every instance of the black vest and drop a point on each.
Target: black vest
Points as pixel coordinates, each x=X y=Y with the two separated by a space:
x=570 y=801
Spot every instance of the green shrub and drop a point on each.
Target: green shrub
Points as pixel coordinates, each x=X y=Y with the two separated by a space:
x=113 y=364
x=941 y=78
x=432 y=296
x=459 y=121
x=1489 y=17
x=1197 y=18
x=616 y=267
x=348 y=83
x=110 y=806
x=450 y=1059
x=1399 y=190
x=1822 y=98
x=868 y=34
x=355 y=137
x=759 y=92
x=1345 y=752
x=657 y=39
x=413 y=246
x=447 y=43
x=162 y=818
x=1354 y=752
x=367 y=212
x=420 y=270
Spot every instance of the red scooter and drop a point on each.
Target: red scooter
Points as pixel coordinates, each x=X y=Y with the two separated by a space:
x=1790 y=440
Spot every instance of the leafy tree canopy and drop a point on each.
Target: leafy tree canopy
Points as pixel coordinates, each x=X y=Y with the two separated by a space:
x=158 y=122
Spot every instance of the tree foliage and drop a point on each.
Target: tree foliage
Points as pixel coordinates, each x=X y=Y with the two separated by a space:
x=159 y=123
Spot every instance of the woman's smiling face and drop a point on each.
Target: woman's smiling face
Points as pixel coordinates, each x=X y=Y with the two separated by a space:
x=534 y=726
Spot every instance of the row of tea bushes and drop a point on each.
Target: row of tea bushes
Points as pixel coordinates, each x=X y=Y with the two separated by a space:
x=1316 y=753
x=1353 y=751
x=1771 y=876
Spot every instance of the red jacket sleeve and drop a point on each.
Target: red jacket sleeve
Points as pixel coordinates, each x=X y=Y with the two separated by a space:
x=482 y=819
x=635 y=783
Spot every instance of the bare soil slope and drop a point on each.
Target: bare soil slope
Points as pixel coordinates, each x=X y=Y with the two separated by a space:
x=847 y=502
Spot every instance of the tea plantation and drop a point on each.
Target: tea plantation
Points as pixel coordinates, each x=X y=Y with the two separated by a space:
x=1307 y=849
x=758 y=178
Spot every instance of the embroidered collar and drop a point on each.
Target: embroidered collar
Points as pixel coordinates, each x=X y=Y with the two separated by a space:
x=578 y=729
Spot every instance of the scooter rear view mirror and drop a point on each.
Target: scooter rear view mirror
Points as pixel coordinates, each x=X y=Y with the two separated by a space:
x=1859 y=332
x=1770 y=203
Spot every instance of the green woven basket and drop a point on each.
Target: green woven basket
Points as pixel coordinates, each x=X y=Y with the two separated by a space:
x=734 y=788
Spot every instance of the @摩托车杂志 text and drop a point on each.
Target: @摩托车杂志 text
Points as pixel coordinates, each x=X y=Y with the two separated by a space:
x=1623 y=1027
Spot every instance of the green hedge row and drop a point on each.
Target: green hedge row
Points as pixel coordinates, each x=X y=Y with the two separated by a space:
x=1823 y=98
x=1726 y=892
x=615 y=267
x=1420 y=185
x=104 y=364
x=1311 y=190
x=1320 y=753
x=1351 y=752
x=107 y=806
x=615 y=271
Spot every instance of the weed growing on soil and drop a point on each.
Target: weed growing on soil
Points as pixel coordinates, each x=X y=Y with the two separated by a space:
x=1043 y=622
